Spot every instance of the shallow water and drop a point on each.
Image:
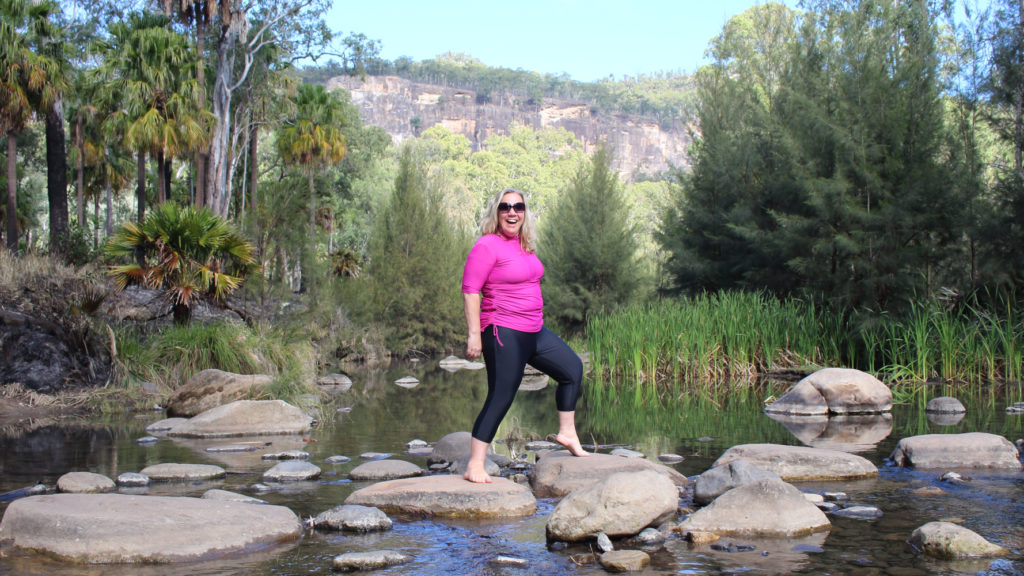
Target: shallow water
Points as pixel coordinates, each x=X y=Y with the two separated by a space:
x=383 y=417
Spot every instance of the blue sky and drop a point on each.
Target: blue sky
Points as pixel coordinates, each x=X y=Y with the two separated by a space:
x=587 y=39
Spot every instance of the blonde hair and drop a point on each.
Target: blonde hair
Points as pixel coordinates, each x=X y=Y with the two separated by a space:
x=489 y=223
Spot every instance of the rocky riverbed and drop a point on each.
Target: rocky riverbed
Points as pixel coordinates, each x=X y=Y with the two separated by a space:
x=768 y=507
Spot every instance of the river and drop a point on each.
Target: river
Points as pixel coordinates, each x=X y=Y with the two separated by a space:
x=376 y=415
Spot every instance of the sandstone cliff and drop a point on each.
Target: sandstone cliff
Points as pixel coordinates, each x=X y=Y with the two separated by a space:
x=405 y=108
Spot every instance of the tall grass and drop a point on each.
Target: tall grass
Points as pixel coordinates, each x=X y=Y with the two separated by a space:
x=169 y=357
x=712 y=342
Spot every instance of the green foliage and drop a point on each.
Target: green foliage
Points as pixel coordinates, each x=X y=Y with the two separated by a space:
x=819 y=167
x=714 y=341
x=588 y=247
x=187 y=252
x=170 y=356
x=415 y=266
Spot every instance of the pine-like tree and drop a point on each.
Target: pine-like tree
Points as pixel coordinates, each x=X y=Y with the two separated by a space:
x=415 y=266
x=588 y=247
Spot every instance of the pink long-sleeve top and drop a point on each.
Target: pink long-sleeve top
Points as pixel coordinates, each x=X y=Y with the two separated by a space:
x=508 y=279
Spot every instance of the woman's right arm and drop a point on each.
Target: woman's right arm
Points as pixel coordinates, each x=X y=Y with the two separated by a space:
x=471 y=306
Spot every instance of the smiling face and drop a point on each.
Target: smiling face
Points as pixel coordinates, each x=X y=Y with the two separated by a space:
x=510 y=221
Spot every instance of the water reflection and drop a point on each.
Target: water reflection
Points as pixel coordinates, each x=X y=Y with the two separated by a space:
x=845 y=432
x=383 y=417
x=768 y=556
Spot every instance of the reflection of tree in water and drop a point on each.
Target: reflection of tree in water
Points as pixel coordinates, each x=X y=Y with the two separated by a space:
x=44 y=453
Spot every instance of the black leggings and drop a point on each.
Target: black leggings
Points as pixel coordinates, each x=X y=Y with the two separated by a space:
x=506 y=355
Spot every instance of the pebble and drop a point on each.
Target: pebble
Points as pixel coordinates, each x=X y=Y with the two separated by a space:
x=147 y=440
x=859 y=512
x=133 y=480
x=338 y=459
x=510 y=561
x=375 y=455
x=417 y=443
x=671 y=458
x=835 y=496
x=287 y=455
x=627 y=453
x=604 y=543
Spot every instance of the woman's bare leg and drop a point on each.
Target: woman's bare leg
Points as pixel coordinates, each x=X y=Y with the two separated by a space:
x=567 y=434
x=475 y=471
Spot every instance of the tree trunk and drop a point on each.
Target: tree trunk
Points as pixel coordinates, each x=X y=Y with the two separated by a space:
x=96 y=222
x=216 y=178
x=57 y=178
x=12 y=191
x=109 y=226
x=254 y=167
x=140 y=189
x=201 y=158
x=165 y=173
x=161 y=190
x=80 y=184
x=312 y=207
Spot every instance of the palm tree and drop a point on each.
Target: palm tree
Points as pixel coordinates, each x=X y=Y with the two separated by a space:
x=188 y=252
x=29 y=82
x=159 y=108
x=312 y=139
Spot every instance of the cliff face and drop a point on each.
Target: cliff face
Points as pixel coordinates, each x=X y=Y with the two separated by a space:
x=405 y=108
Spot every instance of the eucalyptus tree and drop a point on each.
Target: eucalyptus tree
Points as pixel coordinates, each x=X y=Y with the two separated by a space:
x=244 y=29
x=30 y=81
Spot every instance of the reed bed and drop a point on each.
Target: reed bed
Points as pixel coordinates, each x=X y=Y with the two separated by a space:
x=719 y=342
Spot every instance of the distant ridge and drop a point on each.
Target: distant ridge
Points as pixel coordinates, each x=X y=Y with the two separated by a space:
x=403 y=108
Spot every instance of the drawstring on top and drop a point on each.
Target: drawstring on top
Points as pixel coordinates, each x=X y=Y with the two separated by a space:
x=495 y=327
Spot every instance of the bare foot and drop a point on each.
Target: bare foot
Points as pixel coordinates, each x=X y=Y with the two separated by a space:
x=477 y=474
x=572 y=444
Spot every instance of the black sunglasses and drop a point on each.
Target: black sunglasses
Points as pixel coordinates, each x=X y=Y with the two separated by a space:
x=506 y=206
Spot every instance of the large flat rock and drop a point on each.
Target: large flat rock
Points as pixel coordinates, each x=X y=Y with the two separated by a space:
x=799 y=463
x=559 y=473
x=245 y=418
x=119 y=528
x=969 y=450
x=448 y=495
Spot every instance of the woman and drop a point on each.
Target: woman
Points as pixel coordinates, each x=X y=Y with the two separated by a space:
x=504 y=315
